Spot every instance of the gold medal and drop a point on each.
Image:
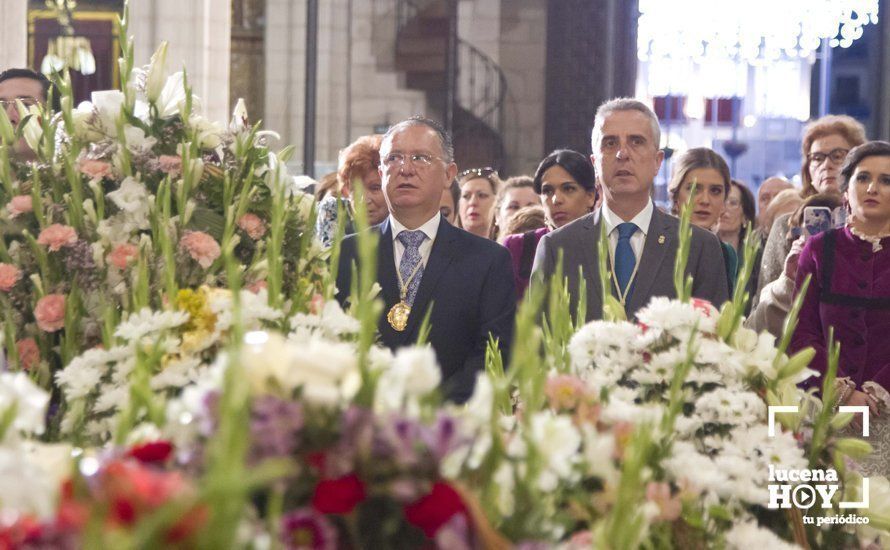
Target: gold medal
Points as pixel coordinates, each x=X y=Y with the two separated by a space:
x=398 y=316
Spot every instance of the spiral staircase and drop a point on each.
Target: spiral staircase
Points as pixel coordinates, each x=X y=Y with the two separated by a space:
x=474 y=93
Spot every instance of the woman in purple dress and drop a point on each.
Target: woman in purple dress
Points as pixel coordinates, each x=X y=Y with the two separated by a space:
x=850 y=291
x=566 y=185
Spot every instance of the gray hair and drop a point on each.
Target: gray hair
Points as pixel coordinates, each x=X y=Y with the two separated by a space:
x=441 y=133
x=622 y=104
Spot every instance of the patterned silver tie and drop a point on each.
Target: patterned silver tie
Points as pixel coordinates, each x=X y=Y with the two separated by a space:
x=411 y=261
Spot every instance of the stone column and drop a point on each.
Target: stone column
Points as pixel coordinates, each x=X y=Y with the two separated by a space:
x=199 y=34
x=13 y=34
x=591 y=57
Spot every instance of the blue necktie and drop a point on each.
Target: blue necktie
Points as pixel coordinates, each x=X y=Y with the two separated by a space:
x=624 y=255
x=411 y=266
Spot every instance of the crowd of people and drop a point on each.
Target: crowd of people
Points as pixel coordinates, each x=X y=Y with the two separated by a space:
x=463 y=246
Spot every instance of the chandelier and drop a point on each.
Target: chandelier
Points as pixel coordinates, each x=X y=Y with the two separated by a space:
x=67 y=50
x=755 y=31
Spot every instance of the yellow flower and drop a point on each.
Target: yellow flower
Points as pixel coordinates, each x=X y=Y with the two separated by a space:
x=196 y=304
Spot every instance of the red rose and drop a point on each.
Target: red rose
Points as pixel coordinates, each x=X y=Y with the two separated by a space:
x=432 y=511
x=153 y=452
x=338 y=496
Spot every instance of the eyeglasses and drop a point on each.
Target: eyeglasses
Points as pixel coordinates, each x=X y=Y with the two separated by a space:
x=733 y=203
x=26 y=101
x=837 y=156
x=477 y=172
x=420 y=160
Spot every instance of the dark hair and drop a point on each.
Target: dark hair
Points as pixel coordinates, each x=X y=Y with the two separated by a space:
x=858 y=154
x=693 y=159
x=441 y=133
x=45 y=84
x=749 y=205
x=573 y=162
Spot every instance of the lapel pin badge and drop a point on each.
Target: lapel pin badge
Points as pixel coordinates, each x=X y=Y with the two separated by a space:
x=661 y=239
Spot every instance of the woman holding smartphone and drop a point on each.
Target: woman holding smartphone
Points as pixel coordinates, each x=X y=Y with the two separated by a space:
x=850 y=292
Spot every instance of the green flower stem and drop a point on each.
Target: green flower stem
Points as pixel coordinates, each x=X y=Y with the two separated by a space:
x=682 y=281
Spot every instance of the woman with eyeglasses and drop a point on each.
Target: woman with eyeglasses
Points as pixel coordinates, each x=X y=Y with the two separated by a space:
x=826 y=142
x=740 y=213
x=849 y=293
x=566 y=186
x=478 y=189
x=709 y=173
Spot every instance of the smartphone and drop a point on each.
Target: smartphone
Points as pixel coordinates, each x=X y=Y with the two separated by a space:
x=817 y=219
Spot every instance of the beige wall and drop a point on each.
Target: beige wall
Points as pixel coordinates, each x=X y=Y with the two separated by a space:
x=523 y=49
x=199 y=33
x=13 y=33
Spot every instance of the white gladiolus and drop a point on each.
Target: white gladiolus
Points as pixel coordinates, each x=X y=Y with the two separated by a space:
x=157 y=74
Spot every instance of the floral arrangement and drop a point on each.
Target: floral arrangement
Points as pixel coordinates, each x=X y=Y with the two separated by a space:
x=132 y=197
x=166 y=308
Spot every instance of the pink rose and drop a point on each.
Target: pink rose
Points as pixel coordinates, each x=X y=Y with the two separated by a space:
x=20 y=204
x=123 y=254
x=252 y=225
x=56 y=236
x=170 y=164
x=94 y=169
x=50 y=312
x=201 y=247
x=9 y=276
x=29 y=353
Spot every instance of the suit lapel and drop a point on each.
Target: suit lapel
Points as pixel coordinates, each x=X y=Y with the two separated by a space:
x=593 y=225
x=386 y=267
x=441 y=254
x=658 y=241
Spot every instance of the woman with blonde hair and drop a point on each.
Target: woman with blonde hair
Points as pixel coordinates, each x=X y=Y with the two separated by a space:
x=479 y=188
x=356 y=166
x=706 y=170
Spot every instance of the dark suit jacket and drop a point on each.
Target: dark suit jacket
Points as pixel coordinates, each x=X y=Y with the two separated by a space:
x=469 y=283
x=655 y=276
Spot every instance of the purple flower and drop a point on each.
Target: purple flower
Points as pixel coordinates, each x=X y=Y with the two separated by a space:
x=275 y=426
x=305 y=529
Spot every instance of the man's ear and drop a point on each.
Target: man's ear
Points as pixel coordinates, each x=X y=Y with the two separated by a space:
x=450 y=173
x=659 y=157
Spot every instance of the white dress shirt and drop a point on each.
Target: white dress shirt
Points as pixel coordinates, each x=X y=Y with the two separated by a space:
x=430 y=228
x=638 y=239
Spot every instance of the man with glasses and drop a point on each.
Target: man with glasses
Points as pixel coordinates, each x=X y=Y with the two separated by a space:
x=29 y=88
x=643 y=240
x=426 y=264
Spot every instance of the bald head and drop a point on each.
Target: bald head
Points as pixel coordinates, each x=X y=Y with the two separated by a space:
x=769 y=189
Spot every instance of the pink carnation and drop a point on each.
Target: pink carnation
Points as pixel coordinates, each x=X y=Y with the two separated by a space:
x=20 y=204
x=123 y=254
x=9 y=276
x=94 y=169
x=170 y=164
x=669 y=506
x=50 y=312
x=56 y=236
x=252 y=225
x=201 y=247
x=29 y=353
